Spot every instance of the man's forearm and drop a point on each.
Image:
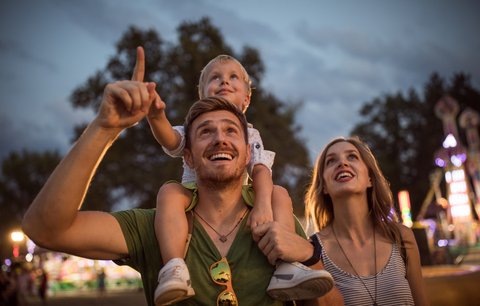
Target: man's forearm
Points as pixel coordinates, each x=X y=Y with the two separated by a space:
x=55 y=207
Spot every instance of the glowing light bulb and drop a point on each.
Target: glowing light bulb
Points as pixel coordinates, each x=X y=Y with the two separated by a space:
x=449 y=142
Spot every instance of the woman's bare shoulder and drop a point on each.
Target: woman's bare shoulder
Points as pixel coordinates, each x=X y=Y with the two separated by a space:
x=406 y=233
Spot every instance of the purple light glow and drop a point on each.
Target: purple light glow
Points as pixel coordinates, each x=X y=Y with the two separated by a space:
x=440 y=162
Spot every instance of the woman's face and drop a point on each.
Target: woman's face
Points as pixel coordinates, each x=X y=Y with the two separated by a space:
x=345 y=173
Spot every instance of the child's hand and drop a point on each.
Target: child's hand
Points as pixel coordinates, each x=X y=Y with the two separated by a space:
x=157 y=108
x=259 y=215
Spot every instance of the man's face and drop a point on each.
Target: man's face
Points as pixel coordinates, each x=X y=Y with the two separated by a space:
x=218 y=151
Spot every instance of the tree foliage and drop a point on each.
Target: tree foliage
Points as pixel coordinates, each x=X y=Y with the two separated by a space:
x=136 y=166
x=23 y=174
x=404 y=132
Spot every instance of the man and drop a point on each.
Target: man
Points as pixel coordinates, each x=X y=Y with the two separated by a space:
x=221 y=245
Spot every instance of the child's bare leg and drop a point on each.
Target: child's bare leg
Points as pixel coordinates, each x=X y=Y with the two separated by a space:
x=282 y=207
x=171 y=226
x=171 y=229
x=303 y=283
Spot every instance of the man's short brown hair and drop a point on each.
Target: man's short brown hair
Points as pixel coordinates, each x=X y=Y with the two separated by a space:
x=212 y=104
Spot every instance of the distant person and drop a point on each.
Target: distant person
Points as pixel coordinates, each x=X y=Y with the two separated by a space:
x=43 y=286
x=8 y=289
x=101 y=279
x=234 y=272
x=24 y=280
x=226 y=77
x=373 y=258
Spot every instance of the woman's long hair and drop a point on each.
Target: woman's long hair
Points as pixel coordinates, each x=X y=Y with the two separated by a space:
x=319 y=206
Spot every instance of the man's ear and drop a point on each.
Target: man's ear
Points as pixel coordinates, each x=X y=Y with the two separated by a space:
x=187 y=156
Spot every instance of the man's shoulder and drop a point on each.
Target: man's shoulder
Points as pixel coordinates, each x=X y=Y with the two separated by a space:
x=135 y=214
x=248 y=194
x=137 y=226
x=299 y=228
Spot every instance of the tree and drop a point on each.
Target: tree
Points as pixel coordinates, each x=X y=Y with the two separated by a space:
x=23 y=174
x=404 y=132
x=136 y=166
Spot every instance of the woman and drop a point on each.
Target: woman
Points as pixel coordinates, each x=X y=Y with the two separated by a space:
x=373 y=259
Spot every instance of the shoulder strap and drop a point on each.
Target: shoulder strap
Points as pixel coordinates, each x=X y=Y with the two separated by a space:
x=190 y=216
x=403 y=251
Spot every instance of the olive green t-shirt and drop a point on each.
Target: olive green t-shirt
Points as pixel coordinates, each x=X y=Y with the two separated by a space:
x=251 y=271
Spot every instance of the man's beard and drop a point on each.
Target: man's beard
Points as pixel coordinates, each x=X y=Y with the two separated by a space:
x=219 y=179
x=220 y=182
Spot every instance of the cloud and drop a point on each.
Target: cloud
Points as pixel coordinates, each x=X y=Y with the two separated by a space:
x=302 y=74
x=237 y=29
x=16 y=41
x=47 y=125
x=332 y=57
x=106 y=21
x=404 y=59
x=323 y=122
x=338 y=69
x=13 y=50
x=331 y=95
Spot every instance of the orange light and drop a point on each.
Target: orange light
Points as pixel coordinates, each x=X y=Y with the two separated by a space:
x=404 y=201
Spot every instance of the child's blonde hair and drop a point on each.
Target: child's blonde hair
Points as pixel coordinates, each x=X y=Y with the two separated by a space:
x=202 y=82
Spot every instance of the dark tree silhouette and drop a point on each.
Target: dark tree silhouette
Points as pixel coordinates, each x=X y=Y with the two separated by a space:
x=404 y=132
x=135 y=166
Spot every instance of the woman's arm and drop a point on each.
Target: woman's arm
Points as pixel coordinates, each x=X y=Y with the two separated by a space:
x=414 y=269
x=332 y=298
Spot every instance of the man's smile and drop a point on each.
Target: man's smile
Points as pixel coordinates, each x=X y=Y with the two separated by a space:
x=220 y=156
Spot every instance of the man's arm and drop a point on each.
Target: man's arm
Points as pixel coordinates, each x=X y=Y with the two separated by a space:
x=53 y=220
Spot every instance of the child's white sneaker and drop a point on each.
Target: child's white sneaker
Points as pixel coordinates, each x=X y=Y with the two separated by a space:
x=294 y=281
x=173 y=283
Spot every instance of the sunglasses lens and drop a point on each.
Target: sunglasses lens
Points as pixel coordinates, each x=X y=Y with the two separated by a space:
x=220 y=272
x=227 y=298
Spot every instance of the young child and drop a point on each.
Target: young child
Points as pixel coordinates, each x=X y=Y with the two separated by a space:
x=223 y=76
